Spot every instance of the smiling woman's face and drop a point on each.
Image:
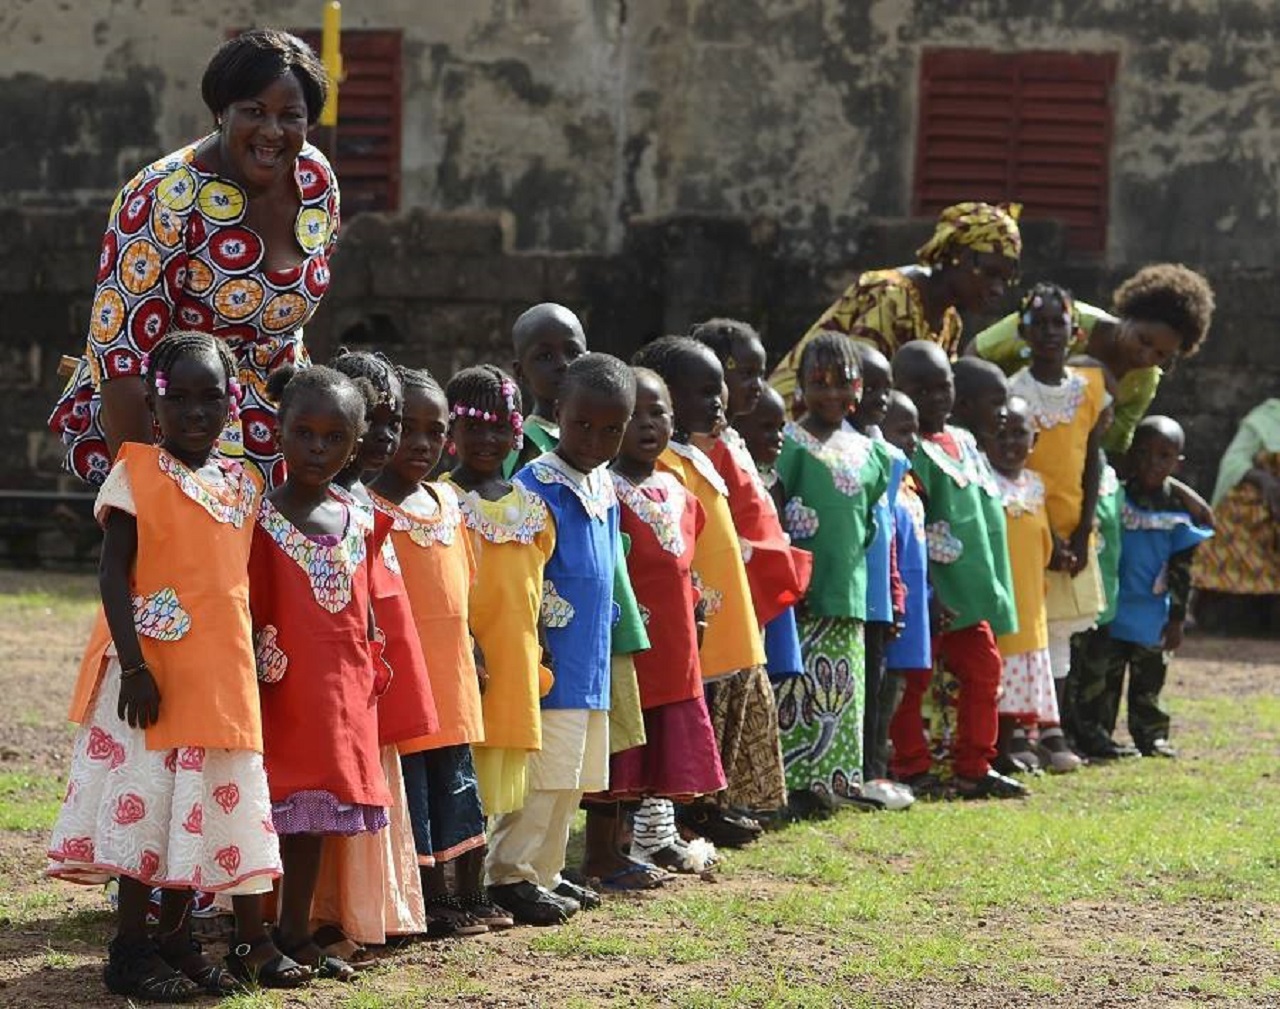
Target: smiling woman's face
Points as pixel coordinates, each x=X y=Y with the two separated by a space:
x=262 y=136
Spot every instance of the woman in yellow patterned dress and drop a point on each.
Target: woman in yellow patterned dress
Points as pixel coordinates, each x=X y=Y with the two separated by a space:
x=965 y=266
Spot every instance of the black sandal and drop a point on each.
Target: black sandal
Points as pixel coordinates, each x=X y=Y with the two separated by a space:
x=212 y=977
x=280 y=971
x=991 y=786
x=324 y=965
x=135 y=968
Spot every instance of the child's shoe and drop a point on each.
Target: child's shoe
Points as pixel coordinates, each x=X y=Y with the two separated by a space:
x=1160 y=748
x=1055 y=754
x=530 y=904
x=891 y=795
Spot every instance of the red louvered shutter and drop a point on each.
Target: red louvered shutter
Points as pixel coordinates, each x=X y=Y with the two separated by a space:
x=368 y=133
x=1031 y=127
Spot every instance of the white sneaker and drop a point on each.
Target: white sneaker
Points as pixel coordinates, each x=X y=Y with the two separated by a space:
x=892 y=794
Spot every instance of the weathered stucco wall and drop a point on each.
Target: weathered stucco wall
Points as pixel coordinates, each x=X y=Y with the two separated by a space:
x=577 y=114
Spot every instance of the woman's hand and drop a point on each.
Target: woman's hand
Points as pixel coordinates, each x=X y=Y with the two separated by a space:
x=139 y=703
x=125 y=414
x=1268 y=486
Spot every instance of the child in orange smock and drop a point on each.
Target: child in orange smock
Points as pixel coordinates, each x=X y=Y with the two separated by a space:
x=167 y=787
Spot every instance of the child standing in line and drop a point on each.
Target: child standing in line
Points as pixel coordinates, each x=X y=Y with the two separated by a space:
x=1028 y=702
x=1066 y=406
x=547 y=338
x=884 y=587
x=309 y=577
x=761 y=432
x=678 y=760
x=969 y=566
x=1096 y=703
x=732 y=652
x=1159 y=545
x=832 y=477
x=369 y=886
x=513 y=537
x=527 y=855
x=174 y=647
x=909 y=656
x=436 y=561
x=777 y=573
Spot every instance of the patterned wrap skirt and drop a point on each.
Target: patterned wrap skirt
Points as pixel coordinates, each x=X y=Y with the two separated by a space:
x=820 y=712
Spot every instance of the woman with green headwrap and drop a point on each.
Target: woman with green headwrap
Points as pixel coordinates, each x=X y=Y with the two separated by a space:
x=966 y=265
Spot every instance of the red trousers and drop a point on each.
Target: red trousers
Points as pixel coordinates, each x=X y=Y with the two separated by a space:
x=972 y=657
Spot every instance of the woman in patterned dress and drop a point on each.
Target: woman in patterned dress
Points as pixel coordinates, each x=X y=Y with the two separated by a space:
x=1243 y=558
x=230 y=235
x=965 y=266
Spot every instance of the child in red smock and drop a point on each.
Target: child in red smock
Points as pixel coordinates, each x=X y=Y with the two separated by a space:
x=309 y=576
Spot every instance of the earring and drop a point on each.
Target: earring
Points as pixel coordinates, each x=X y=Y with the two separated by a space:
x=452 y=449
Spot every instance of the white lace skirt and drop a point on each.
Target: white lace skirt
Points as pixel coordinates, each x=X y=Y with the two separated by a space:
x=187 y=817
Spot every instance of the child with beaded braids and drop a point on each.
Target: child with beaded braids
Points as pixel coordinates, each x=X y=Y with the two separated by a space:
x=309 y=576
x=167 y=787
x=513 y=536
x=369 y=887
x=832 y=477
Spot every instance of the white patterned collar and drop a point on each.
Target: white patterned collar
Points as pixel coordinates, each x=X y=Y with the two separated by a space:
x=593 y=490
x=1023 y=494
x=702 y=463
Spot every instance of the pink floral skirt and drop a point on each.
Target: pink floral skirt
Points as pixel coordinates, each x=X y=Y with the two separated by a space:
x=187 y=817
x=678 y=761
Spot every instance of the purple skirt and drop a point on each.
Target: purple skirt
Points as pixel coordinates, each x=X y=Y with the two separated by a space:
x=679 y=760
x=321 y=812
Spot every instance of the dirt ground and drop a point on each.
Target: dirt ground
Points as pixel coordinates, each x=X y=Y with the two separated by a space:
x=52 y=938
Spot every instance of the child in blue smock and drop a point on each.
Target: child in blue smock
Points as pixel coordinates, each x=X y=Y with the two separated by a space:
x=1159 y=542
x=527 y=847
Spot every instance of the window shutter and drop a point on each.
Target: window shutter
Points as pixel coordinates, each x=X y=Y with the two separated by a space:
x=1031 y=127
x=368 y=133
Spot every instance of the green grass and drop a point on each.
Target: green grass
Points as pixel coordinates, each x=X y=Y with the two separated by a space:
x=893 y=909
x=29 y=801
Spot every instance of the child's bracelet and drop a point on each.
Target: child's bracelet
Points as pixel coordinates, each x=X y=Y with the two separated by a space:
x=131 y=671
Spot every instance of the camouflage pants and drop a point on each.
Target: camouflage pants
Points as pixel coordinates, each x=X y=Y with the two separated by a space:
x=1098 y=666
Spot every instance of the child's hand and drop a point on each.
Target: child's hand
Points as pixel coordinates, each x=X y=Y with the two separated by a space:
x=941 y=616
x=1171 y=636
x=139 y=703
x=1078 y=545
x=482 y=672
x=382 y=671
x=1062 y=558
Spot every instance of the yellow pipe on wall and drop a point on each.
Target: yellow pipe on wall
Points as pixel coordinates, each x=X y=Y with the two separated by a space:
x=331 y=57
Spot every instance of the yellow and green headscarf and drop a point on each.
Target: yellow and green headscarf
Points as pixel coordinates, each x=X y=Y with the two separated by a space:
x=979 y=227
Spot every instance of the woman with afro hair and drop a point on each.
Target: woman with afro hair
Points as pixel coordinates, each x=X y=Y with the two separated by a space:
x=1162 y=314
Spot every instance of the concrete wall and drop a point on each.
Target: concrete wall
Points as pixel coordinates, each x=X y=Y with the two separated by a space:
x=578 y=114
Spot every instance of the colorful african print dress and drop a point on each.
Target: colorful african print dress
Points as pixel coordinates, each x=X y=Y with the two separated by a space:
x=178 y=255
x=832 y=487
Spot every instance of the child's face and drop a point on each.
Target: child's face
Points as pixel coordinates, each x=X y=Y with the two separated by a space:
x=422 y=435
x=877 y=383
x=317 y=436
x=981 y=411
x=382 y=434
x=483 y=445
x=1155 y=460
x=695 y=394
x=830 y=389
x=901 y=428
x=1010 y=442
x=762 y=428
x=650 y=428
x=193 y=410
x=591 y=428
x=1047 y=329
x=744 y=377
x=543 y=363
x=931 y=388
